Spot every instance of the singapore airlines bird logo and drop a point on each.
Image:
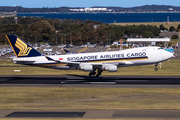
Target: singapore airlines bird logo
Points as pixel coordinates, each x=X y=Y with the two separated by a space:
x=24 y=49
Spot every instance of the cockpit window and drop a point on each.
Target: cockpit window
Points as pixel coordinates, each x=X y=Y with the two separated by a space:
x=160 y=48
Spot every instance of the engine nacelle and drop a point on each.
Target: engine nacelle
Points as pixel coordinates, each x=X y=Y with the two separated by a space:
x=109 y=67
x=86 y=67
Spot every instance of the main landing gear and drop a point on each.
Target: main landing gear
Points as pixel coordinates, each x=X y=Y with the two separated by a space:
x=156 y=69
x=92 y=73
x=98 y=73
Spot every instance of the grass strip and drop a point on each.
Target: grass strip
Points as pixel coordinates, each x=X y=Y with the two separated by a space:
x=47 y=98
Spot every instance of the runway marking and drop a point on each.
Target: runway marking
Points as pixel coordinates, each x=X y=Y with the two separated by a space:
x=46 y=114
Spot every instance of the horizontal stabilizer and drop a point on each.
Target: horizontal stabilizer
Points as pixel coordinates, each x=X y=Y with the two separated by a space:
x=50 y=59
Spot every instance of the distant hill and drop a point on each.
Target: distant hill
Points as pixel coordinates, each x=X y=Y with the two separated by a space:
x=145 y=8
x=155 y=8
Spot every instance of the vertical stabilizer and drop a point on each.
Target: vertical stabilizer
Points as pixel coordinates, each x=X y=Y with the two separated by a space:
x=21 y=48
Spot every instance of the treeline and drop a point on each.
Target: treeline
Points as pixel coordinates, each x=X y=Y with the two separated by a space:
x=20 y=9
x=57 y=31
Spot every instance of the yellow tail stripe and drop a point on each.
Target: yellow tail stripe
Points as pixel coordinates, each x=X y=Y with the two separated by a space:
x=11 y=45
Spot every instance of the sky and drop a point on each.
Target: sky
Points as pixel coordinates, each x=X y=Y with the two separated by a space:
x=86 y=3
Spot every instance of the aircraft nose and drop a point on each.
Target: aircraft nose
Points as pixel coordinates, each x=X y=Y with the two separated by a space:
x=167 y=55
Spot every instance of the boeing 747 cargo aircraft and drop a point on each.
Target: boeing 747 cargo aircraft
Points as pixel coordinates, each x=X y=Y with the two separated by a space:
x=95 y=63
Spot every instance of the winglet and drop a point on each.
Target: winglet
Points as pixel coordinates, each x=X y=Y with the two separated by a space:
x=21 y=48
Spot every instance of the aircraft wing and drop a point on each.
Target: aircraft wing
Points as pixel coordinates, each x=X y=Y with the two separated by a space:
x=90 y=66
x=94 y=64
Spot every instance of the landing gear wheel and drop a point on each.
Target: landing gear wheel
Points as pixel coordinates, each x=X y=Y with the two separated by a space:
x=90 y=74
x=93 y=73
x=156 y=69
x=97 y=75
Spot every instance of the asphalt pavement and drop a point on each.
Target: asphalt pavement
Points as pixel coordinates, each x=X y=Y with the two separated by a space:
x=101 y=114
x=86 y=81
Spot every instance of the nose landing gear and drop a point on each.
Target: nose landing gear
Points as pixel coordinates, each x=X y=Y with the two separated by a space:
x=156 y=69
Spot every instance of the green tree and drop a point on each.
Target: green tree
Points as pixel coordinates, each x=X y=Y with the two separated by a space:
x=162 y=27
x=102 y=33
x=12 y=29
x=174 y=37
x=155 y=30
x=117 y=34
x=147 y=34
x=2 y=39
x=43 y=31
x=172 y=28
x=178 y=26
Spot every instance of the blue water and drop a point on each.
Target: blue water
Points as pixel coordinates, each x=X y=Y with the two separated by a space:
x=111 y=17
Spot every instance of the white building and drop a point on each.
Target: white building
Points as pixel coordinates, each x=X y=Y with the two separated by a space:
x=148 y=40
x=91 y=9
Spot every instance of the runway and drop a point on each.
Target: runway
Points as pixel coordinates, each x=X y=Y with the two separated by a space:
x=93 y=114
x=86 y=81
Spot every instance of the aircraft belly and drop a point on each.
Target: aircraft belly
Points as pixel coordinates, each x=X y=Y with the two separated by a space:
x=60 y=66
x=50 y=65
x=63 y=68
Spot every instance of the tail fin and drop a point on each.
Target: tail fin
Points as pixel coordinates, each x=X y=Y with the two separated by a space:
x=21 y=48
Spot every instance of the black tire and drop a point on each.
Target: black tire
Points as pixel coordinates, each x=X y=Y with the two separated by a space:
x=94 y=73
x=156 y=69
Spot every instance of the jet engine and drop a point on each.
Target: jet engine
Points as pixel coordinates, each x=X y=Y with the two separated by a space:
x=86 y=67
x=109 y=67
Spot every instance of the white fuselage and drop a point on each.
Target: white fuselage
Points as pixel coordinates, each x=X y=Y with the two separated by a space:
x=128 y=57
